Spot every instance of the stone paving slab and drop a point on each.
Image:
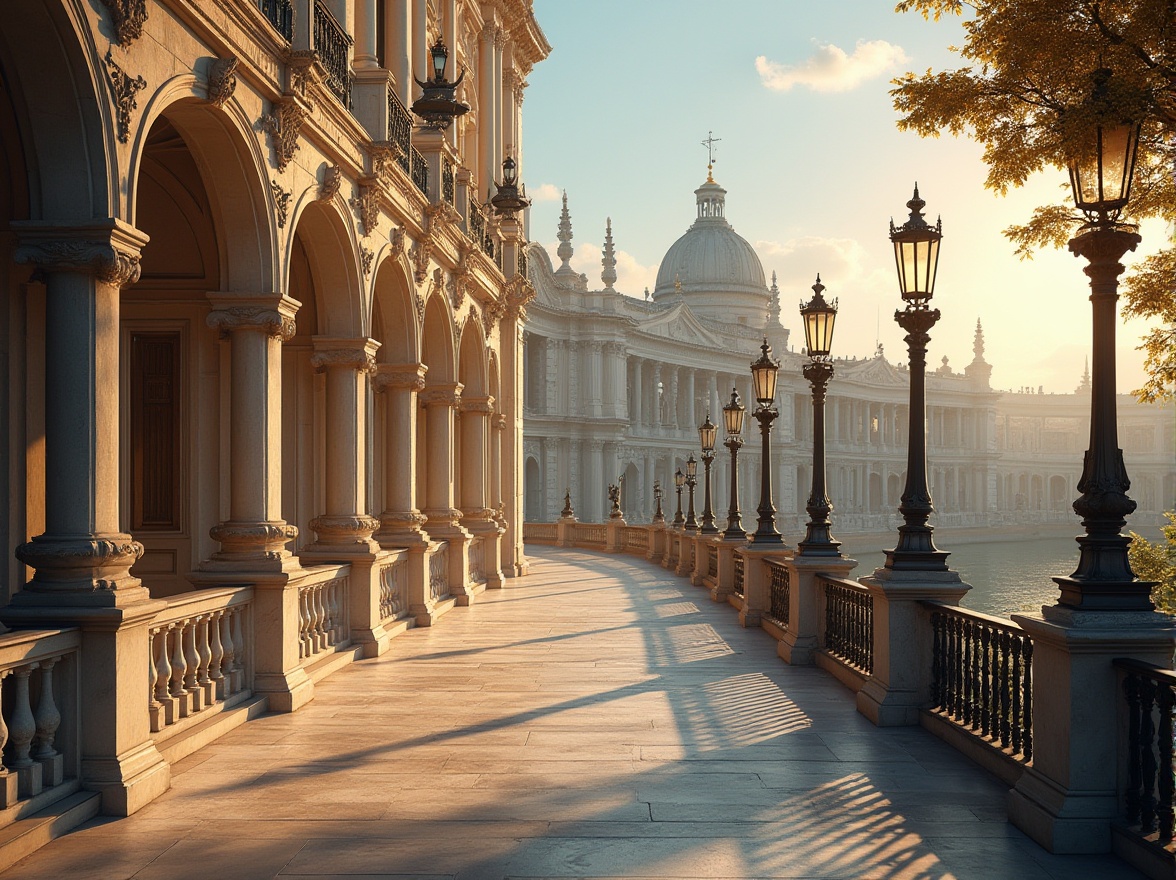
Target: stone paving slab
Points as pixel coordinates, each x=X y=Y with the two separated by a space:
x=597 y=719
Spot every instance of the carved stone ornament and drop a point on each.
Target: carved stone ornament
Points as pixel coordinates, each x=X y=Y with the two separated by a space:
x=517 y=294
x=222 y=80
x=391 y=376
x=356 y=358
x=396 y=239
x=303 y=71
x=74 y=560
x=106 y=262
x=366 y=257
x=420 y=254
x=123 y=89
x=332 y=180
x=458 y=282
x=283 y=126
x=344 y=529
x=492 y=313
x=271 y=321
x=383 y=155
x=367 y=206
x=419 y=302
x=129 y=17
x=281 y=202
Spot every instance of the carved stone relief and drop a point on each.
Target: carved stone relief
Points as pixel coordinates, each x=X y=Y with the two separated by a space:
x=271 y=321
x=123 y=89
x=108 y=263
x=129 y=17
x=281 y=202
x=222 y=80
x=367 y=206
x=420 y=254
x=332 y=180
x=366 y=256
x=283 y=126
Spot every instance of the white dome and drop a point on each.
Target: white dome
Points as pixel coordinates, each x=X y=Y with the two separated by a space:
x=716 y=268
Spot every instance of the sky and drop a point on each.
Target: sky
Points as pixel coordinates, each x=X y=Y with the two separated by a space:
x=814 y=167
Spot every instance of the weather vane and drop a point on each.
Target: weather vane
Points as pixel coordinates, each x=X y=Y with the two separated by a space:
x=709 y=143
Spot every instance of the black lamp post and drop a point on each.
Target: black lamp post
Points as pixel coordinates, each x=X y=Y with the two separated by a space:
x=679 y=482
x=706 y=437
x=508 y=200
x=438 y=104
x=658 y=516
x=763 y=375
x=691 y=482
x=819 y=317
x=733 y=414
x=1100 y=174
x=916 y=256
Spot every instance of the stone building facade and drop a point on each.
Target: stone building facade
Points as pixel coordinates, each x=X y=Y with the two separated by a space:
x=615 y=387
x=261 y=338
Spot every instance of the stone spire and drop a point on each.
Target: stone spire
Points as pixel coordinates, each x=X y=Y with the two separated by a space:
x=609 y=261
x=1084 y=385
x=774 y=304
x=979 y=370
x=564 y=252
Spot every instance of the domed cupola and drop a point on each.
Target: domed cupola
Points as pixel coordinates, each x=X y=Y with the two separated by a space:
x=712 y=268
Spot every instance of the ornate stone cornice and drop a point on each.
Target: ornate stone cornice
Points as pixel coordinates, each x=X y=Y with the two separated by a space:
x=129 y=17
x=410 y=376
x=123 y=89
x=272 y=314
x=283 y=126
x=222 y=80
x=110 y=251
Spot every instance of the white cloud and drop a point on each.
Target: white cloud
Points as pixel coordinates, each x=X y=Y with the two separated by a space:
x=842 y=263
x=830 y=69
x=547 y=192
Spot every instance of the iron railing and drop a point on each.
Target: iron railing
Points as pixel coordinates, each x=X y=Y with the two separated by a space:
x=849 y=623
x=420 y=171
x=280 y=14
x=522 y=262
x=982 y=676
x=1149 y=693
x=448 y=190
x=400 y=131
x=333 y=46
x=779 y=592
x=738 y=588
x=476 y=223
x=712 y=561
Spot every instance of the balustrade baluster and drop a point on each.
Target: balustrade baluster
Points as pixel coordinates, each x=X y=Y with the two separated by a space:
x=154 y=707
x=985 y=681
x=1147 y=736
x=22 y=726
x=1027 y=701
x=242 y=654
x=320 y=619
x=953 y=659
x=229 y=647
x=936 y=661
x=4 y=768
x=1015 y=688
x=966 y=681
x=47 y=716
x=1131 y=689
x=191 y=661
x=177 y=663
x=204 y=659
x=1164 y=742
x=216 y=654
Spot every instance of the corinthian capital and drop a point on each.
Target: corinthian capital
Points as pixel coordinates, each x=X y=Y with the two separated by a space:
x=359 y=354
x=109 y=251
x=410 y=376
x=272 y=314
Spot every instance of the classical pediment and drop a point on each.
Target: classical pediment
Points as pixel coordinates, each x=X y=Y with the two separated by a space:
x=679 y=324
x=875 y=371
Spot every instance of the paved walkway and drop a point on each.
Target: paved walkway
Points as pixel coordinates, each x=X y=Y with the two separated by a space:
x=599 y=718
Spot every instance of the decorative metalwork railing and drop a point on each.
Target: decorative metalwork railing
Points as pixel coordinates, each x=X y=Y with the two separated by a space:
x=1149 y=692
x=198 y=650
x=849 y=623
x=476 y=223
x=522 y=262
x=982 y=676
x=420 y=171
x=439 y=571
x=779 y=592
x=280 y=14
x=400 y=131
x=322 y=616
x=333 y=46
x=712 y=561
x=35 y=667
x=540 y=532
x=448 y=189
x=738 y=587
x=477 y=567
x=636 y=538
x=591 y=534
x=392 y=577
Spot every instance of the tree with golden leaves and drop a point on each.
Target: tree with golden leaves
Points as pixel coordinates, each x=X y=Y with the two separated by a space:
x=1021 y=95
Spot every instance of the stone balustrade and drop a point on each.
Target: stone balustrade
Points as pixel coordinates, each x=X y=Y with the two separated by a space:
x=199 y=655
x=393 y=576
x=439 y=571
x=322 y=614
x=476 y=571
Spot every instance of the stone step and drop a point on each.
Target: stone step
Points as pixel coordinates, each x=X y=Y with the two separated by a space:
x=25 y=836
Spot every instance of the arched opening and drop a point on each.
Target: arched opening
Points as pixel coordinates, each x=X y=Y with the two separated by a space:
x=1057 y=493
x=875 y=493
x=632 y=495
x=533 y=488
x=893 y=491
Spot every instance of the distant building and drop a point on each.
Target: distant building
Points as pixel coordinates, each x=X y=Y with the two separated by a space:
x=616 y=386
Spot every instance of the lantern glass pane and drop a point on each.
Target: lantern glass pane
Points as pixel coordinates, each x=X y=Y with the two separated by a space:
x=679 y=478
x=691 y=467
x=1115 y=157
x=932 y=257
x=438 y=63
x=706 y=436
x=733 y=420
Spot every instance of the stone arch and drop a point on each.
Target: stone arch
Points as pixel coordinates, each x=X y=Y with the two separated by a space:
x=233 y=172
x=437 y=342
x=394 y=316
x=1058 y=492
x=472 y=365
x=54 y=77
x=327 y=238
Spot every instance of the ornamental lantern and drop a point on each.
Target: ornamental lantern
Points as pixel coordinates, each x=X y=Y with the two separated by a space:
x=819 y=317
x=916 y=252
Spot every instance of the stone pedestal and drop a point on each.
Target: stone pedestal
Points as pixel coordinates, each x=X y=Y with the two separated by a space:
x=614 y=535
x=900 y=685
x=1067 y=799
x=801 y=638
x=685 y=554
x=702 y=545
x=725 y=582
x=369 y=100
x=564 y=529
x=756 y=582
x=657 y=542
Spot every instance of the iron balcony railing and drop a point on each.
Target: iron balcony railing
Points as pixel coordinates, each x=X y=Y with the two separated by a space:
x=420 y=171
x=476 y=223
x=400 y=131
x=522 y=263
x=280 y=14
x=448 y=190
x=333 y=46
x=780 y=589
x=738 y=585
x=849 y=623
x=982 y=676
x=1150 y=696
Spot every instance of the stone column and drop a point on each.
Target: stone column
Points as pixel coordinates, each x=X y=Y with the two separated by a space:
x=401 y=520
x=497 y=123
x=254 y=537
x=594 y=485
x=477 y=514
x=487 y=170
x=365 y=34
x=656 y=397
x=638 y=394
x=672 y=408
x=443 y=518
x=398 y=47
x=692 y=420
x=82 y=561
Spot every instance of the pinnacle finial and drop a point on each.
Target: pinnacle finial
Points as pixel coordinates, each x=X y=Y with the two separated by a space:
x=608 y=261
x=564 y=252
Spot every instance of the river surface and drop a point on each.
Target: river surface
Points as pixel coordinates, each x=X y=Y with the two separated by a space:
x=1006 y=576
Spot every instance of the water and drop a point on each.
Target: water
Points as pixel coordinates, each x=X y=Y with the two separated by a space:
x=1006 y=576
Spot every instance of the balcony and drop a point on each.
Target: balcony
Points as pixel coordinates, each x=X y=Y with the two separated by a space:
x=598 y=718
x=280 y=14
x=333 y=45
